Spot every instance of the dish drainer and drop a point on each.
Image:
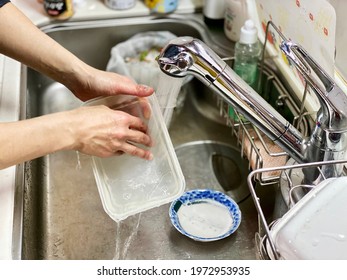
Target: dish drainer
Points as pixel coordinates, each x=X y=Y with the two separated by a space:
x=259 y=146
x=264 y=241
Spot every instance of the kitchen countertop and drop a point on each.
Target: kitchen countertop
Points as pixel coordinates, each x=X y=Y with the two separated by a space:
x=10 y=71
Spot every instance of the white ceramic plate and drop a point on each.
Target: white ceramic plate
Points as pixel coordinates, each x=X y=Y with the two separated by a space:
x=315 y=227
x=205 y=215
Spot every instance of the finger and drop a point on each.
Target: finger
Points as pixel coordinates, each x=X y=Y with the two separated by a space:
x=139 y=137
x=140 y=107
x=145 y=108
x=137 y=124
x=136 y=151
x=129 y=87
x=144 y=90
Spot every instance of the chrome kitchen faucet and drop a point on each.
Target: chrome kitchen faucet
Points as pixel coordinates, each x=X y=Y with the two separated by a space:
x=187 y=55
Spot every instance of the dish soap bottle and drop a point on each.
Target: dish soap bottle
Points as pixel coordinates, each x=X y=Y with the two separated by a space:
x=247 y=54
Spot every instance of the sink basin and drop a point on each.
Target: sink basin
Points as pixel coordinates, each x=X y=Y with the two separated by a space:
x=63 y=217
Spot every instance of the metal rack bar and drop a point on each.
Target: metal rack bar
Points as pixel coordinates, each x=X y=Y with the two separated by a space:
x=256 y=199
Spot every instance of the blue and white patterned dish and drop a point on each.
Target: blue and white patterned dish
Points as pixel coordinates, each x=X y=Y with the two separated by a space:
x=205 y=215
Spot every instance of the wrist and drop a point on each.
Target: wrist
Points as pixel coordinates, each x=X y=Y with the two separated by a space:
x=60 y=129
x=74 y=75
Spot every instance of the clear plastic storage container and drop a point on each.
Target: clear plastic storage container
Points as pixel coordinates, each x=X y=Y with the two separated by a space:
x=129 y=185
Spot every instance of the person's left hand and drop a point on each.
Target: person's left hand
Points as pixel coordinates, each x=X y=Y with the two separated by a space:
x=94 y=83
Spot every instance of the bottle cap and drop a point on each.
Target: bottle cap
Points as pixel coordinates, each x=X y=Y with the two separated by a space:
x=249 y=33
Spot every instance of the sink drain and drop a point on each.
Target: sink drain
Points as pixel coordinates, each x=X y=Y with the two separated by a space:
x=214 y=165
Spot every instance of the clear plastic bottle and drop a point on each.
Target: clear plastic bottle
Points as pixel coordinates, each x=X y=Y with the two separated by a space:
x=247 y=54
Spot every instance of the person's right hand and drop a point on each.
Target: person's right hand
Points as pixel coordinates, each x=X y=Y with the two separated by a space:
x=103 y=132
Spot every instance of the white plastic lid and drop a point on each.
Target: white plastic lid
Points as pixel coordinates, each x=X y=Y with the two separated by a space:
x=249 y=33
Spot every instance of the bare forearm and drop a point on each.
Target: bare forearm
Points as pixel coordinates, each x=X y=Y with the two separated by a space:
x=93 y=130
x=29 y=139
x=23 y=41
x=97 y=131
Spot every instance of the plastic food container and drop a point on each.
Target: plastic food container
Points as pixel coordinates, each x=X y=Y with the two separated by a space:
x=315 y=228
x=128 y=185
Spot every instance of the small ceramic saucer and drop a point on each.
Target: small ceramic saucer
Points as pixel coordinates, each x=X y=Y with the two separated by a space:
x=205 y=215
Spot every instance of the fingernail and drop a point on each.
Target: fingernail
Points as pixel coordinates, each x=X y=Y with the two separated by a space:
x=145 y=88
x=150 y=156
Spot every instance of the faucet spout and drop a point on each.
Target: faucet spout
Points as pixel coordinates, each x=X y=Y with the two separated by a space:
x=187 y=55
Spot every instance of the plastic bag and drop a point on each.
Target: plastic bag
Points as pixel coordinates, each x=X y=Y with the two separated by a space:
x=125 y=57
x=126 y=60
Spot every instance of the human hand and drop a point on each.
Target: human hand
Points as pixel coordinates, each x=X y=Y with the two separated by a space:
x=103 y=132
x=92 y=83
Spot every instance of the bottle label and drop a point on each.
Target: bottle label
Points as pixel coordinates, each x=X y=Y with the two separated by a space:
x=55 y=7
x=59 y=9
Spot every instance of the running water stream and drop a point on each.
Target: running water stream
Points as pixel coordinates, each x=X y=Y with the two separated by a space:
x=78 y=165
x=167 y=95
x=126 y=231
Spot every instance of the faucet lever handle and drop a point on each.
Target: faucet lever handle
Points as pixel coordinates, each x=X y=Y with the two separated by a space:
x=332 y=99
x=305 y=63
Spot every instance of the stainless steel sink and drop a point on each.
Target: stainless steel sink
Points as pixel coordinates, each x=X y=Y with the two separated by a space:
x=63 y=217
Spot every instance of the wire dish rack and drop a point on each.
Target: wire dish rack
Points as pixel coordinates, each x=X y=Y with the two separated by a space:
x=292 y=190
x=260 y=150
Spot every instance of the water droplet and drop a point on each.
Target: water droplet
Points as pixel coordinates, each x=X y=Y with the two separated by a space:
x=338 y=237
x=126 y=196
x=315 y=242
